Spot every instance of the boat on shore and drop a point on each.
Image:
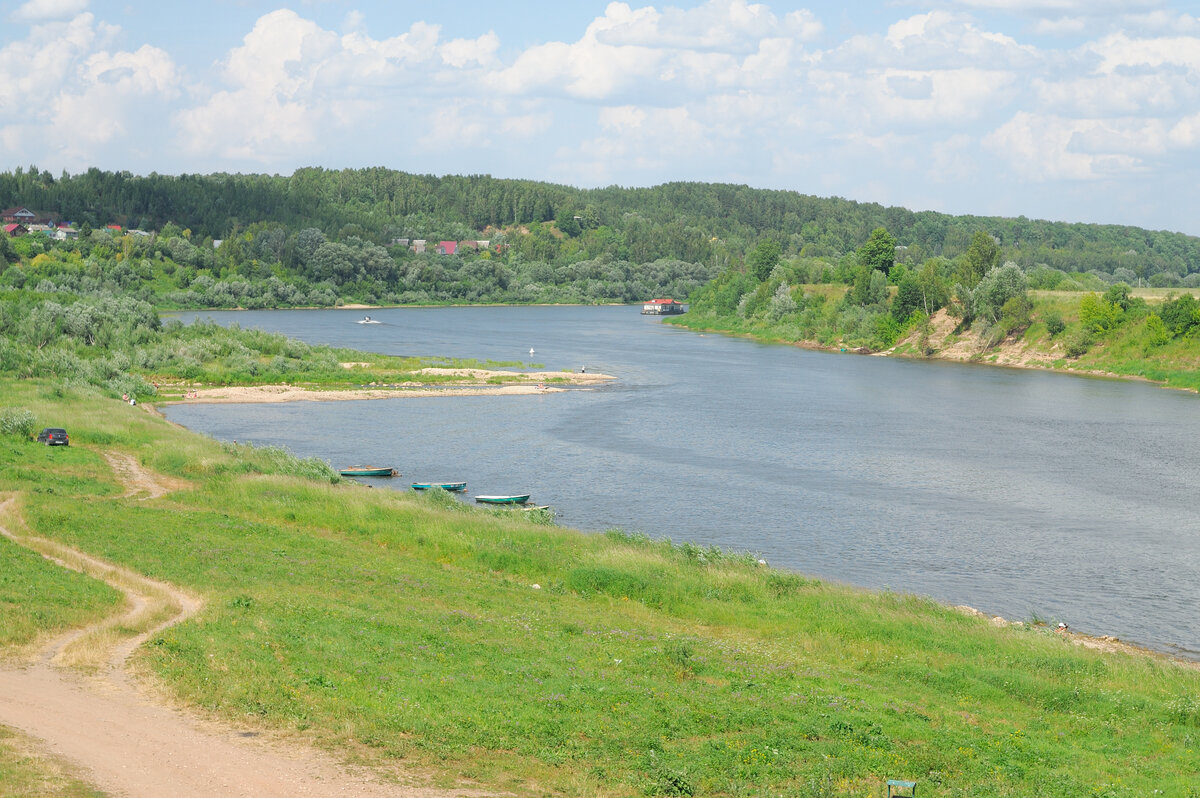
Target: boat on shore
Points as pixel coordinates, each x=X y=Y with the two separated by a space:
x=454 y=487
x=516 y=499
x=369 y=471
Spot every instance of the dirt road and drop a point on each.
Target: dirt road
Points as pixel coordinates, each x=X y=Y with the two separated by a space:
x=124 y=741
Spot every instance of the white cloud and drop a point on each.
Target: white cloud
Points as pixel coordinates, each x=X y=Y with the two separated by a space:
x=47 y=10
x=293 y=84
x=67 y=96
x=1062 y=26
x=649 y=55
x=1122 y=51
x=464 y=52
x=1096 y=7
x=1045 y=148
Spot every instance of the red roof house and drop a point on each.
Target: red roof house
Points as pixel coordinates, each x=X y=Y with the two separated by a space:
x=447 y=247
x=15 y=229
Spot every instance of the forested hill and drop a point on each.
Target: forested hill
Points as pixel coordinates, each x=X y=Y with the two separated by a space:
x=709 y=224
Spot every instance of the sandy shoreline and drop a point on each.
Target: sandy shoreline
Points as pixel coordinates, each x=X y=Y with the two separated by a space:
x=473 y=383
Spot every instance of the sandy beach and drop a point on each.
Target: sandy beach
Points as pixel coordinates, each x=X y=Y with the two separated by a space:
x=473 y=383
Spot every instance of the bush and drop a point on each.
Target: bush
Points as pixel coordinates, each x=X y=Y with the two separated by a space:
x=1078 y=343
x=18 y=423
x=1054 y=323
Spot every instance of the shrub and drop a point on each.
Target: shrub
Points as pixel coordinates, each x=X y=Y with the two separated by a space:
x=18 y=423
x=1156 y=330
x=1099 y=314
x=1054 y=323
x=1078 y=343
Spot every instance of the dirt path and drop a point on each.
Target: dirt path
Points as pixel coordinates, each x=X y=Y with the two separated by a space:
x=127 y=742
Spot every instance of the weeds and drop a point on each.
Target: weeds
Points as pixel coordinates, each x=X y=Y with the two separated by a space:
x=17 y=423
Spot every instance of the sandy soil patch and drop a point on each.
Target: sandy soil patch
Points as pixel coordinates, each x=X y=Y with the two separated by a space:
x=968 y=346
x=573 y=377
x=473 y=383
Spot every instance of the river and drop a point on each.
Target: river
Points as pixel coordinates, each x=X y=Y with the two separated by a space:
x=1023 y=493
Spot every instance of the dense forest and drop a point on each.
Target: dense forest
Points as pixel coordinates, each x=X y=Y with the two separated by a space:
x=321 y=237
x=694 y=222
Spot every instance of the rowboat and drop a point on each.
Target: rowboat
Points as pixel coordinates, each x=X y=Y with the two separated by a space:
x=451 y=486
x=369 y=471
x=502 y=499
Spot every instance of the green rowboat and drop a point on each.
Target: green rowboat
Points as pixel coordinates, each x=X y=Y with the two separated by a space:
x=502 y=499
x=368 y=471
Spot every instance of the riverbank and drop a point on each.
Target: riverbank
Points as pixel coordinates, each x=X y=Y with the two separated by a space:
x=428 y=639
x=940 y=338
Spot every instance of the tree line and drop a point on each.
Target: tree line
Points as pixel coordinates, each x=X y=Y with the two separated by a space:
x=701 y=223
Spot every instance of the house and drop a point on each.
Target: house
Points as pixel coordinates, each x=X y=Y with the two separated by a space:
x=468 y=245
x=116 y=228
x=15 y=229
x=418 y=246
x=662 y=307
x=20 y=215
x=63 y=233
x=399 y=242
x=447 y=247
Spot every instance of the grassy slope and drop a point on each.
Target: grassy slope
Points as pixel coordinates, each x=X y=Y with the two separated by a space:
x=389 y=627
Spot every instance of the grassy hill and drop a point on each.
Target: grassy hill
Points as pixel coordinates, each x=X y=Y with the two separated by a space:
x=410 y=631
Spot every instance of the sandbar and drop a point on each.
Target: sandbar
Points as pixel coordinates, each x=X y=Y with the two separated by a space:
x=473 y=383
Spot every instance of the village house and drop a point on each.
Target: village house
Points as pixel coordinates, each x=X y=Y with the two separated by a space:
x=15 y=229
x=447 y=247
x=20 y=215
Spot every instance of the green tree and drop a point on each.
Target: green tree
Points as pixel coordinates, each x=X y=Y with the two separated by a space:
x=764 y=258
x=1118 y=294
x=999 y=286
x=908 y=298
x=981 y=257
x=935 y=293
x=879 y=252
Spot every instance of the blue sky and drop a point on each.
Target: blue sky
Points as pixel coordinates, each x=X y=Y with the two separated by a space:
x=1077 y=110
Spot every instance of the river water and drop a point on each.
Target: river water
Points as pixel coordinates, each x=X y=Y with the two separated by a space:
x=1021 y=493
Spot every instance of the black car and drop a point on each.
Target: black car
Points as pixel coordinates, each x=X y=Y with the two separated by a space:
x=53 y=436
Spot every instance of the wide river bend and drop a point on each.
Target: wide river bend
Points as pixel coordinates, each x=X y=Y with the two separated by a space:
x=1022 y=493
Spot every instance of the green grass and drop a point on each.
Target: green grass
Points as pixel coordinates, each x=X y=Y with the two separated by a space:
x=25 y=773
x=398 y=628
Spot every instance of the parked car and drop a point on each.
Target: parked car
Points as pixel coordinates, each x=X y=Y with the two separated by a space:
x=54 y=436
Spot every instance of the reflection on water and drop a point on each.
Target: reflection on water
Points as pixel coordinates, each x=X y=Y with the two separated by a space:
x=1017 y=492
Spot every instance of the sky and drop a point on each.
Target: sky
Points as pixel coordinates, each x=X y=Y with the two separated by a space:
x=1073 y=110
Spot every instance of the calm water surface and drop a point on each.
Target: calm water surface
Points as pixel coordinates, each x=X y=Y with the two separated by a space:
x=1016 y=492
